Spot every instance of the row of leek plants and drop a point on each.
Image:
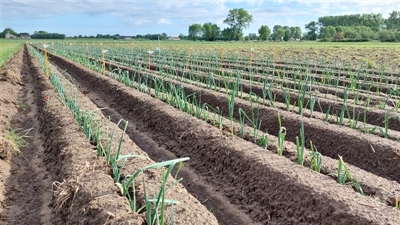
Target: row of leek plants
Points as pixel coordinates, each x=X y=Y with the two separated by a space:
x=109 y=148
x=299 y=81
x=176 y=96
x=165 y=58
x=302 y=92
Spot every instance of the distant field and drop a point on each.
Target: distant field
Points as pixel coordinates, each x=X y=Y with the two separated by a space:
x=233 y=43
x=8 y=48
x=373 y=55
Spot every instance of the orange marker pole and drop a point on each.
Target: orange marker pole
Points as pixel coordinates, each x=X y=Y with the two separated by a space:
x=188 y=59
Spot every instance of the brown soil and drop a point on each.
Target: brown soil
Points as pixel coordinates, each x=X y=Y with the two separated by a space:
x=373 y=154
x=58 y=178
x=269 y=188
x=25 y=184
x=374 y=117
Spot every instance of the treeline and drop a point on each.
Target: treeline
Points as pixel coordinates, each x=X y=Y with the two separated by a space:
x=162 y=36
x=372 y=20
x=12 y=32
x=237 y=20
x=46 y=35
x=355 y=27
x=36 y=35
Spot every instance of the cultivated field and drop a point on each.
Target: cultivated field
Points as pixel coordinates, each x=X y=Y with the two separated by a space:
x=199 y=133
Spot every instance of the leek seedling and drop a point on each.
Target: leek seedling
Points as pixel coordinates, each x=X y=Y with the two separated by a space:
x=129 y=181
x=353 y=121
x=312 y=103
x=206 y=113
x=281 y=136
x=286 y=96
x=264 y=141
x=117 y=171
x=109 y=144
x=341 y=115
x=300 y=149
x=344 y=176
x=231 y=101
x=219 y=113
x=316 y=158
x=242 y=116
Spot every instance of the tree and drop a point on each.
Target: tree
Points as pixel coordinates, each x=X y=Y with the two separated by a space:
x=195 y=31
x=163 y=36
x=278 y=32
x=227 y=34
x=387 y=35
x=264 y=32
x=372 y=20
x=182 y=36
x=393 y=22
x=327 y=32
x=293 y=31
x=252 y=36
x=237 y=20
x=3 y=34
x=211 y=31
x=288 y=34
x=351 y=33
x=296 y=32
x=312 y=30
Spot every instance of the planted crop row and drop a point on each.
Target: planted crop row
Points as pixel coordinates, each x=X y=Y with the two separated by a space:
x=353 y=90
x=344 y=171
x=106 y=145
x=358 y=117
x=180 y=102
x=229 y=109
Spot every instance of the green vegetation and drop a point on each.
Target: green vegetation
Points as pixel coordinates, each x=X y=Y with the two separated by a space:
x=17 y=139
x=110 y=148
x=344 y=176
x=356 y=27
x=237 y=20
x=8 y=49
x=228 y=67
x=316 y=158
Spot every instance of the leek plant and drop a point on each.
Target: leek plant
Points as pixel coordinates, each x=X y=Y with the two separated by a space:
x=129 y=181
x=316 y=158
x=300 y=148
x=344 y=176
x=281 y=136
x=155 y=207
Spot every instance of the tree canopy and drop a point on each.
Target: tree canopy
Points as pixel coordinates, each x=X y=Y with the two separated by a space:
x=393 y=21
x=312 y=30
x=195 y=31
x=237 y=19
x=3 y=34
x=264 y=32
x=356 y=27
x=278 y=33
x=372 y=20
x=211 y=31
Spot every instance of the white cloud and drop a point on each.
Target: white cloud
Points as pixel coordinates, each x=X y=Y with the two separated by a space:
x=141 y=22
x=164 y=21
x=177 y=15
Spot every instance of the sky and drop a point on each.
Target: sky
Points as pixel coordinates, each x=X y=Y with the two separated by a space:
x=129 y=18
